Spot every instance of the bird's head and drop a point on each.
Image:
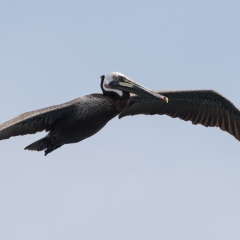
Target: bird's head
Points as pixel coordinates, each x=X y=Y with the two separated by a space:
x=117 y=83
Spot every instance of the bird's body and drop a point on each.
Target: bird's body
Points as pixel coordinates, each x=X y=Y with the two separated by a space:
x=81 y=118
x=86 y=116
x=71 y=122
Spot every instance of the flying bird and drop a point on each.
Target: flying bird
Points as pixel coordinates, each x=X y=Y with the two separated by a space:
x=82 y=117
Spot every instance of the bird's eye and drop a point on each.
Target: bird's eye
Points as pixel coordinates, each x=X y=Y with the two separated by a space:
x=115 y=78
x=120 y=78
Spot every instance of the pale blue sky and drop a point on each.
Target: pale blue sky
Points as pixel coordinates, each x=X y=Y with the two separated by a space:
x=142 y=177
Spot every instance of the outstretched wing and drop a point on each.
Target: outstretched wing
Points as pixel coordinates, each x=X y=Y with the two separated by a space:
x=206 y=107
x=36 y=121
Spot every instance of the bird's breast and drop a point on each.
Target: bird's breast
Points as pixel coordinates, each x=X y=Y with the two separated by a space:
x=88 y=117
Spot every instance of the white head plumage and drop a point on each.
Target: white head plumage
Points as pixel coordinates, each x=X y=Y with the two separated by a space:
x=109 y=78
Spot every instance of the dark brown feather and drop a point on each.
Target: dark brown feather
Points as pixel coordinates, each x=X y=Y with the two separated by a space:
x=35 y=121
x=68 y=115
x=205 y=107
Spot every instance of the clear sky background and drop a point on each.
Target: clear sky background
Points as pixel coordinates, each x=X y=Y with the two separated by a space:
x=142 y=177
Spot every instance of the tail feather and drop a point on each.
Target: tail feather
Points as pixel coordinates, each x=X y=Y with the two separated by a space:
x=39 y=145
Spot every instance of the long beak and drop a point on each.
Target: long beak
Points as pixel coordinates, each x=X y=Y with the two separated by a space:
x=130 y=86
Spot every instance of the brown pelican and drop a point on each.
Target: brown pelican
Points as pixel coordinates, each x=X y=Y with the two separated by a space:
x=81 y=118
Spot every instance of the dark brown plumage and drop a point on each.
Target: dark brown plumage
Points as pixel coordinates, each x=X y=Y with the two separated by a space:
x=70 y=122
x=205 y=107
x=81 y=118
